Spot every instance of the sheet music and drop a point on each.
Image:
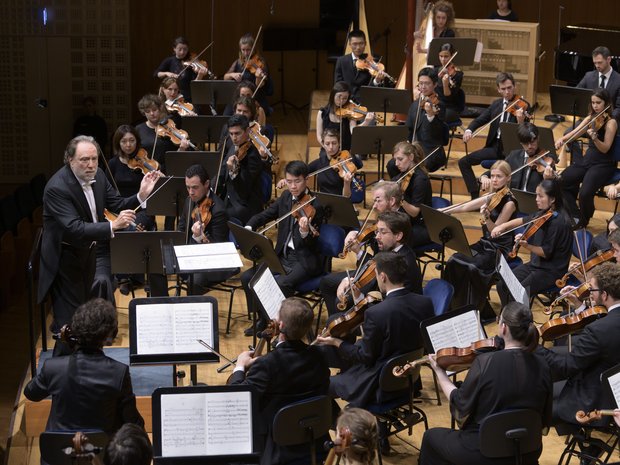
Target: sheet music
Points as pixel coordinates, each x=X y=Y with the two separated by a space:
x=512 y=283
x=173 y=328
x=206 y=424
x=269 y=293
x=458 y=331
x=478 y=54
x=219 y=248
x=199 y=257
x=614 y=383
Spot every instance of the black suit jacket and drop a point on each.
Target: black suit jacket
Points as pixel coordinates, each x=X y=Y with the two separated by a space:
x=390 y=328
x=591 y=80
x=67 y=219
x=292 y=372
x=429 y=133
x=88 y=389
x=347 y=72
x=487 y=115
x=306 y=249
x=516 y=159
x=216 y=230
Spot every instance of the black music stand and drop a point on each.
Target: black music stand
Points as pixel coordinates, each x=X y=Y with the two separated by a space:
x=566 y=100
x=510 y=140
x=446 y=230
x=338 y=210
x=379 y=140
x=526 y=201
x=167 y=200
x=205 y=130
x=465 y=46
x=385 y=99
x=213 y=92
x=178 y=162
x=256 y=247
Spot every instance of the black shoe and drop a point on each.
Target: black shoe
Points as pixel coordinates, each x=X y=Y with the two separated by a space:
x=260 y=326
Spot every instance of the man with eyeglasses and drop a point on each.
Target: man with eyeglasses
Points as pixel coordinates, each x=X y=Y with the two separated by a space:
x=577 y=374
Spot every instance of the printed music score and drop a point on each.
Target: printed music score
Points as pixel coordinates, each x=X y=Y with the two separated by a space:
x=204 y=257
x=173 y=328
x=514 y=285
x=614 y=383
x=269 y=293
x=206 y=424
x=458 y=331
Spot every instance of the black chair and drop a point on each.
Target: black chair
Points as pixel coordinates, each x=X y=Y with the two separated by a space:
x=303 y=422
x=57 y=446
x=513 y=433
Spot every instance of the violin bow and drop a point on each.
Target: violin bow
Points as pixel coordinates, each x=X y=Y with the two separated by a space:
x=219 y=171
x=260 y=28
x=411 y=170
x=449 y=61
x=283 y=217
x=530 y=163
x=585 y=128
x=325 y=168
x=581 y=260
x=168 y=178
x=195 y=58
x=107 y=167
x=258 y=85
x=522 y=224
x=200 y=341
x=480 y=129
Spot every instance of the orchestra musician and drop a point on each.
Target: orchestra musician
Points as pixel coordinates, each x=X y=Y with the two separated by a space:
x=498 y=381
x=246 y=89
x=528 y=178
x=493 y=148
x=293 y=371
x=129 y=446
x=173 y=66
x=614 y=241
x=588 y=176
x=170 y=94
x=390 y=328
x=504 y=11
x=443 y=23
x=601 y=241
x=593 y=351
x=73 y=204
x=550 y=246
x=472 y=276
x=449 y=91
x=356 y=436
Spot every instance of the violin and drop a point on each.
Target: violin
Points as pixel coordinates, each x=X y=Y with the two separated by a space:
x=541 y=163
x=240 y=154
x=352 y=318
x=568 y=324
x=372 y=67
x=254 y=63
x=271 y=330
x=337 y=449
x=519 y=104
x=141 y=161
x=202 y=212
x=66 y=335
x=308 y=211
x=584 y=418
x=167 y=128
x=451 y=71
x=363 y=236
x=598 y=123
x=432 y=98
x=453 y=358
x=352 y=110
x=180 y=106
x=199 y=66
x=259 y=140
x=497 y=197
x=582 y=292
x=597 y=259
x=343 y=164
x=532 y=228
x=83 y=451
x=364 y=277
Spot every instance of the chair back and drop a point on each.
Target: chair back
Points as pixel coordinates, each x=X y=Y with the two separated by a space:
x=331 y=240
x=582 y=241
x=53 y=443
x=357 y=196
x=265 y=186
x=511 y=433
x=390 y=383
x=440 y=292
x=439 y=202
x=302 y=422
x=615 y=149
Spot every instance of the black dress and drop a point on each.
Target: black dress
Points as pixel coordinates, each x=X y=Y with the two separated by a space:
x=329 y=181
x=173 y=65
x=418 y=192
x=345 y=132
x=264 y=91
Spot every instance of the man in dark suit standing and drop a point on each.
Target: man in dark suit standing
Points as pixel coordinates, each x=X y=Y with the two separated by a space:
x=73 y=220
x=603 y=76
x=346 y=70
x=493 y=148
x=291 y=372
x=89 y=390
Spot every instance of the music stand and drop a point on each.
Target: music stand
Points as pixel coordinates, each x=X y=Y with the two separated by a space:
x=385 y=99
x=464 y=45
x=446 y=230
x=338 y=210
x=510 y=140
x=256 y=247
x=205 y=130
x=166 y=201
x=379 y=140
x=178 y=162
x=526 y=200
x=566 y=100
x=53 y=444
x=213 y=92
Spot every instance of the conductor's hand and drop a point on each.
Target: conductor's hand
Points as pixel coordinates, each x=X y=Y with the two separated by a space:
x=148 y=183
x=124 y=219
x=245 y=360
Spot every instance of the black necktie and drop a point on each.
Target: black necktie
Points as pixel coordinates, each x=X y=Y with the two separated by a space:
x=602 y=81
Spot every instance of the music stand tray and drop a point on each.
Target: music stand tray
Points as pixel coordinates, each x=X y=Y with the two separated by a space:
x=526 y=200
x=385 y=99
x=510 y=140
x=445 y=229
x=566 y=100
x=140 y=252
x=465 y=46
x=178 y=162
x=166 y=200
x=213 y=92
x=338 y=210
x=256 y=247
x=204 y=130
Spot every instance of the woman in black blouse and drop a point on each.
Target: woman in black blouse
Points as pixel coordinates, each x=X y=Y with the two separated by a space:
x=504 y=11
x=509 y=379
x=449 y=89
x=443 y=23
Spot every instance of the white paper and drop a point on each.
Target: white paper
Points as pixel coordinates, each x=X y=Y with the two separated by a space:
x=458 y=331
x=478 y=54
x=173 y=328
x=206 y=424
x=269 y=293
x=614 y=382
x=512 y=283
x=219 y=248
x=221 y=255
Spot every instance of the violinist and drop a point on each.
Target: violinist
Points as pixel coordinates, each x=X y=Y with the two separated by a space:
x=549 y=243
x=443 y=23
x=594 y=350
x=173 y=67
x=296 y=245
x=417 y=190
x=174 y=101
x=390 y=327
x=293 y=371
x=356 y=437
x=246 y=89
x=248 y=107
x=513 y=378
x=590 y=174
x=528 y=178
x=451 y=96
x=253 y=69
x=601 y=241
x=495 y=114
x=472 y=277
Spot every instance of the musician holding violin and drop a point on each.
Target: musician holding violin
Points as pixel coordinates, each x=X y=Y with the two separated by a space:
x=246 y=89
x=547 y=238
x=356 y=437
x=174 y=101
x=590 y=174
x=291 y=372
x=177 y=66
x=498 y=381
x=451 y=96
x=248 y=107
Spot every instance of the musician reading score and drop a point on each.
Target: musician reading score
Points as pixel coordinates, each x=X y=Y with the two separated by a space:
x=449 y=90
x=173 y=67
x=356 y=436
x=508 y=379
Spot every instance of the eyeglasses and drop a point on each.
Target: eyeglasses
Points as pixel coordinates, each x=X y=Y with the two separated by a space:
x=383 y=232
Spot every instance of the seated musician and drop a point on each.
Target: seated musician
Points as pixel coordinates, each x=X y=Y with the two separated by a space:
x=390 y=328
x=495 y=114
x=594 y=350
x=443 y=24
x=248 y=107
x=239 y=175
x=173 y=67
x=291 y=372
x=550 y=246
x=129 y=446
x=601 y=241
x=173 y=100
x=245 y=89
x=472 y=276
x=347 y=71
x=416 y=191
x=89 y=390
x=512 y=378
x=528 y=178
x=297 y=242
x=449 y=90
x=356 y=436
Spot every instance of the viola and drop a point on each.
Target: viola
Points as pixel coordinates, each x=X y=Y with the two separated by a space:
x=343 y=164
x=254 y=63
x=568 y=324
x=582 y=292
x=202 y=212
x=532 y=228
x=352 y=110
x=259 y=140
x=364 y=277
x=372 y=67
x=198 y=66
x=597 y=259
x=363 y=236
x=167 y=128
x=298 y=211
x=180 y=106
x=497 y=197
x=352 y=318
x=141 y=161
x=519 y=104
x=584 y=418
x=433 y=99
